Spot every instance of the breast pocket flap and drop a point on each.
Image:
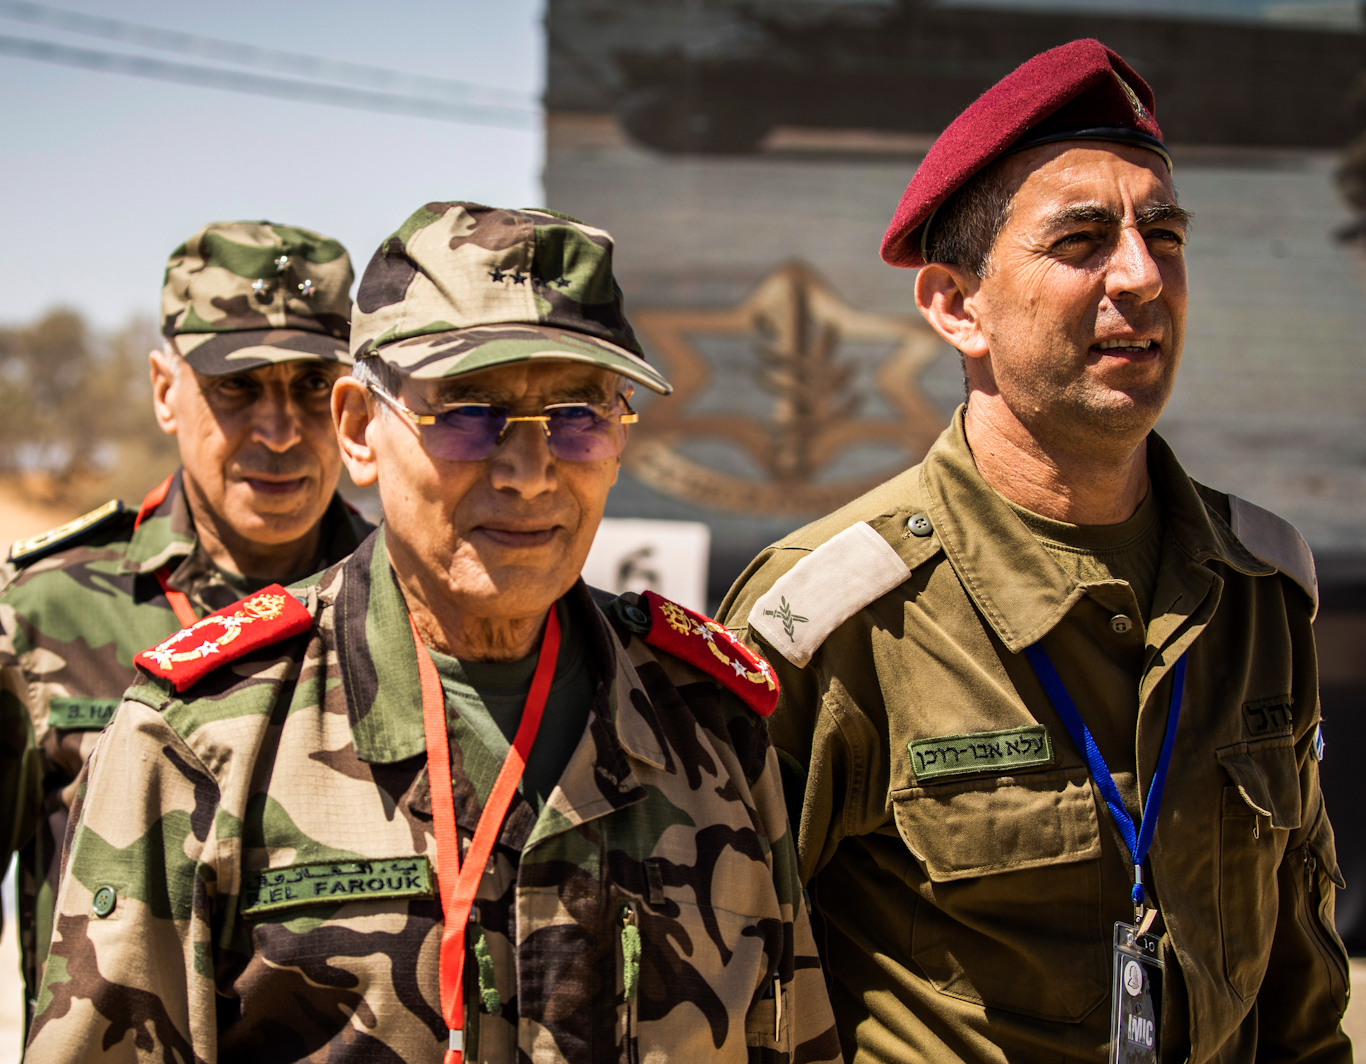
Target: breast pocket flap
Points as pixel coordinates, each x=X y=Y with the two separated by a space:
x=983 y=827
x=1267 y=777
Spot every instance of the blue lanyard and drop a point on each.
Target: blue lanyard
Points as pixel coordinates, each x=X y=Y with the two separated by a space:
x=1136 y=837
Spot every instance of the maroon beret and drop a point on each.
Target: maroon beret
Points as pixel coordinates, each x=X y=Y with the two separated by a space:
x=1077 y=91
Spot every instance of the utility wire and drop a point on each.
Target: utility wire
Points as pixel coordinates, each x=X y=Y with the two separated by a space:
x=261 y=85
x=249 y=55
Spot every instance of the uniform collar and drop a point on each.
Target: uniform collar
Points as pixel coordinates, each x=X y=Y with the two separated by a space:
x=164 y=533
x=377 y=659
x=166 y=536
x=1014 y=583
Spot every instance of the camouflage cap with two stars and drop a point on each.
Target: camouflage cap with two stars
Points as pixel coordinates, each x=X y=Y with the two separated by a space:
x=462 y=287
x=240 y=295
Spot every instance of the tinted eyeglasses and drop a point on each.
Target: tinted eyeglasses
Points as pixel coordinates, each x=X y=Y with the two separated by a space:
x=470 y=432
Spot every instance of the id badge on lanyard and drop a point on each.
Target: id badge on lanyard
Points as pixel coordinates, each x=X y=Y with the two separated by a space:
x=1135 y=997
x=1136 y=991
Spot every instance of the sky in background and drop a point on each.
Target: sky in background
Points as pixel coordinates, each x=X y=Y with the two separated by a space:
x=102 y=175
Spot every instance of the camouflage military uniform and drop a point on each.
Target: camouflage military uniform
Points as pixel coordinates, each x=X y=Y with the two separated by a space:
x=963 y=864
x=249 y=879
x=70 y=623
x=81 y=600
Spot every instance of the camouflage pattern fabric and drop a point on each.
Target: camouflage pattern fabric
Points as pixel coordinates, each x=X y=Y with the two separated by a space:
x=70 y=624
x=461 y=287
x=250 y=878
x=239 y=295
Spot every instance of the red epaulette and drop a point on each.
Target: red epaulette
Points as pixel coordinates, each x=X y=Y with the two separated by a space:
x=192 y=653
x=706 y=645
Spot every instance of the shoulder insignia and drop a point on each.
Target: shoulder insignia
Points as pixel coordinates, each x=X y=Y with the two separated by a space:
x=259 y=620
x=1274 y=540
x=26 y=551
x=825 y=589
x=706 y=645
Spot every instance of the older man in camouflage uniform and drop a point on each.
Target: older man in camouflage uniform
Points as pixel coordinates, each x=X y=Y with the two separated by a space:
x=297 y=841
x=256 y=319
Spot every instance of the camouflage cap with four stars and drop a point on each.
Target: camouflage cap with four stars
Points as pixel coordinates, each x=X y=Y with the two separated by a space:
x=462 y=287
x=239 y=295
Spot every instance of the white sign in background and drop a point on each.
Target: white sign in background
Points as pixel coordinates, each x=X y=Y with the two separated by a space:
x=666 y=557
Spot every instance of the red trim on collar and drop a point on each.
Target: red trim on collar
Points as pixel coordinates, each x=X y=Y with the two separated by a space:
x=706 y=645
x=155 y=498
x=258 y=620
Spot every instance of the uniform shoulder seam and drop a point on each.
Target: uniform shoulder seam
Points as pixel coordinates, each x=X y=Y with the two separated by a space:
x=1272 y=539
x=823 y=590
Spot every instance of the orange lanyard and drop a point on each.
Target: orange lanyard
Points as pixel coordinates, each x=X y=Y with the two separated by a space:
x=180 y=602
x=458 y=882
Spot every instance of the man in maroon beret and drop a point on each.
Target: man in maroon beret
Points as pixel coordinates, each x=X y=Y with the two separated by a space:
x=1049 y=709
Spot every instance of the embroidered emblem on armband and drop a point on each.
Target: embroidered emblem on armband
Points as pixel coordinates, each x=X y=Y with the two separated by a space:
x=192 y=653
x=826 y=588
x=706 y=645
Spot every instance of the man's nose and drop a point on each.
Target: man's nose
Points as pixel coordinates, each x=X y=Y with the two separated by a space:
x=276 y=419
x=1133 y=273
x=523 y=462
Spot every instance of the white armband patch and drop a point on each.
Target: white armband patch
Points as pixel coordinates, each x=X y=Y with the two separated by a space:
x=825 y=589
x=1275 y=541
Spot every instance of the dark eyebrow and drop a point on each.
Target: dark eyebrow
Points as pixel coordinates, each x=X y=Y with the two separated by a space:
x=1164 y=212
x=1094 y=214
x=1086 y=213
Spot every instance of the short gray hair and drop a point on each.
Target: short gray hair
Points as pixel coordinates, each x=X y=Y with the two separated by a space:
x=963 y=231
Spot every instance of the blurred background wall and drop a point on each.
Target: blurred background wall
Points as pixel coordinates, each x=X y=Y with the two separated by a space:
x=748 y=154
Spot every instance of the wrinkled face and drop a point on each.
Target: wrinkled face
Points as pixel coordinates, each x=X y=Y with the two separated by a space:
x=1084 y=307
x=506 y=536
x=258 y=447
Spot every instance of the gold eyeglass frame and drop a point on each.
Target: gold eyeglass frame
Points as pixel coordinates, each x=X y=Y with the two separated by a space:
x=628 y=418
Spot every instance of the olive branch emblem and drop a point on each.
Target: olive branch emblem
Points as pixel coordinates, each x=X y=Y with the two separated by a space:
x=788 y=618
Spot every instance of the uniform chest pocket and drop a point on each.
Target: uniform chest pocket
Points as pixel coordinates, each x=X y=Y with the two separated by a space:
x=1009 y=914
x=1259 y=810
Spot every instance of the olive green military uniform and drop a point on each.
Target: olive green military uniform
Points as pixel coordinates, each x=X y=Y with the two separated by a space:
x=264 y=892
x=965 y=870
x=70 y=623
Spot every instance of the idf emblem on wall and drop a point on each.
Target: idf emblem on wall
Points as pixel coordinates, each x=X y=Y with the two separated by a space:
x=791 y=402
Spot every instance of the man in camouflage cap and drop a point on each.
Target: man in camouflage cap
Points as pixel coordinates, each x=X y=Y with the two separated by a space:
x=447 y=800
x=255 y=319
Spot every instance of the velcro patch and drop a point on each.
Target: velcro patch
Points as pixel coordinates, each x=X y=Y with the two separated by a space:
x=706 y=645
x=1269 y=716
x=825 y=589
x=995 y=751
x=335 y=882
x=81 y=714
x=192 y=653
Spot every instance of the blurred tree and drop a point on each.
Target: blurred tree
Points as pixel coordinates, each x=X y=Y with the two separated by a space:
x=76 y=423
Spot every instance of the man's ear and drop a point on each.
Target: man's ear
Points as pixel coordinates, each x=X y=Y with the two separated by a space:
x=947 y=296
x=354 y=413
x=164 y=371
